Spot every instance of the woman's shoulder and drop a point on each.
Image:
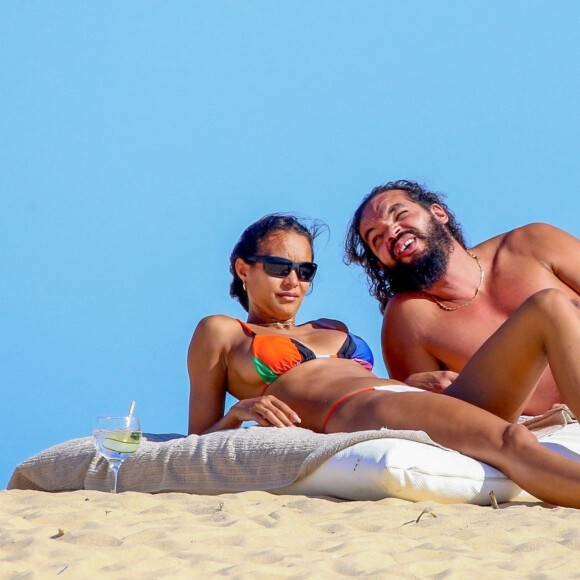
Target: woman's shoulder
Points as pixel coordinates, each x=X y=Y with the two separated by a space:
x=217 y=332
x=218 y=323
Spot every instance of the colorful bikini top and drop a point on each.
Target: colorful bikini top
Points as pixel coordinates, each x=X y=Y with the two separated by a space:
x=275 y=354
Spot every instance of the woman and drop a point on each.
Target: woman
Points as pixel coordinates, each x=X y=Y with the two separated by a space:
x=318 y=375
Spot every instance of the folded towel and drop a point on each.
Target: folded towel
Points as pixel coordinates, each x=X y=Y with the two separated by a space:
x=550 y=422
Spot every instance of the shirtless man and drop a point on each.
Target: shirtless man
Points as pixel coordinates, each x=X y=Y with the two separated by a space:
x=440 y=300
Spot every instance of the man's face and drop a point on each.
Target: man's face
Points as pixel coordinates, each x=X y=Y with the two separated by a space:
x=427 y=268
x=412 y=243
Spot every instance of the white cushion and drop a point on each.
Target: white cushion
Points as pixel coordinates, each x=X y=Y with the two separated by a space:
x=409 y=470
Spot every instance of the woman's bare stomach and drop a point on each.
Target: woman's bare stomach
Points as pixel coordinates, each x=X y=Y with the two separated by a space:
x=312 y=388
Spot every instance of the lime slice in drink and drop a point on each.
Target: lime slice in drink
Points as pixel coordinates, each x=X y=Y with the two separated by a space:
x=122 y=441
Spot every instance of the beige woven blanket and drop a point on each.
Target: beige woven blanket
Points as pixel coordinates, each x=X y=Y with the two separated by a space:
x=256 y=458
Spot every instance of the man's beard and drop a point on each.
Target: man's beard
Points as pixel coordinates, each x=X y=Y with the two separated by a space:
x=427 y=269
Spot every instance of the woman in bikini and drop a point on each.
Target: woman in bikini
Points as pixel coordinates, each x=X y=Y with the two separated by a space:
x=318 y=375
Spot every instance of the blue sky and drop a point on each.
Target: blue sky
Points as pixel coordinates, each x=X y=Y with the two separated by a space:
x=138 y=139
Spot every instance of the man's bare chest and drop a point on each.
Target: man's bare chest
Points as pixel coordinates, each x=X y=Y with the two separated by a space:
x=453 y=337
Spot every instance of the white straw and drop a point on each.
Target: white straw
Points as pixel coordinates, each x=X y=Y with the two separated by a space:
x=130 y=415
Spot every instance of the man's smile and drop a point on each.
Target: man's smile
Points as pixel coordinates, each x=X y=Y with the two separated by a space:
x=404 y=245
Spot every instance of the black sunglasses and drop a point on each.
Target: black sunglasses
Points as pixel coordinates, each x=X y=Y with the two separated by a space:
x=281 y=267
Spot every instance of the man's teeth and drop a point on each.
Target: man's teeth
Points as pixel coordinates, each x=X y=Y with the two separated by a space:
x=399 y=248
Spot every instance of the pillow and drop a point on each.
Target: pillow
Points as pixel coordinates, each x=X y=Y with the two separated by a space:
x=410 y=470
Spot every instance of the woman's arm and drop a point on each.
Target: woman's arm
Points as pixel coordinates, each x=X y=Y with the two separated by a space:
x=207 y=369
x=207 y=364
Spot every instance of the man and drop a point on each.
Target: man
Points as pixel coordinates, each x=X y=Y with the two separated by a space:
x=440 y=300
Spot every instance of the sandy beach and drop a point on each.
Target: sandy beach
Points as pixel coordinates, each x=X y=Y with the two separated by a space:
x=84 y=534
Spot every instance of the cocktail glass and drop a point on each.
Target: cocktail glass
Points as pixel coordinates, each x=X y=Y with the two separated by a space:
x=117 y=438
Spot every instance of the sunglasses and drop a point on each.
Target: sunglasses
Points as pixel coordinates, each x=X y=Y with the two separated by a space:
x=281 y=267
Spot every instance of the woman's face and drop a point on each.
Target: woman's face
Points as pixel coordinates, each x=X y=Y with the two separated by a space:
x=272 y=298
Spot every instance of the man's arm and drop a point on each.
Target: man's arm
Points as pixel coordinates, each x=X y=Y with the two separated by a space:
x=405 y=356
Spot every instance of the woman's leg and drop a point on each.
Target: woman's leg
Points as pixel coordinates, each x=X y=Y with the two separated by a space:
x=511 y=448
x=502 y=374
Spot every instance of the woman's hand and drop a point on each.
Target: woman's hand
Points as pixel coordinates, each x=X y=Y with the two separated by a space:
x=434 y=381
x=267 y=411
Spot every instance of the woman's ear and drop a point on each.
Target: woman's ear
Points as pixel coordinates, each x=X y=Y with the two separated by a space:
x=241 y=269
x=439 y=213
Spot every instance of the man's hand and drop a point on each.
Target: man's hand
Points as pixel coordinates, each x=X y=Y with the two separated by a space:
x=434 y=381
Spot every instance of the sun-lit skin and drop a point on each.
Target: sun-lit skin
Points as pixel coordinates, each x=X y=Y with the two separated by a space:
x=517 y=264
x=497 y=381
x=223 y=361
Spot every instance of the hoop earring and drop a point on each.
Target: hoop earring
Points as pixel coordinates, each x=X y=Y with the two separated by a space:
x=244 y=286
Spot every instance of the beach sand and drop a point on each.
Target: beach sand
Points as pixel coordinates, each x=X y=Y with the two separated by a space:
x=87 y=534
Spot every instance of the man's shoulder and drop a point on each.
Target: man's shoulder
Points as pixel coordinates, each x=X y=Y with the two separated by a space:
x=408 y=311
x=409 y=325
x=406 y=301
x=521 y=240
x=529 y=233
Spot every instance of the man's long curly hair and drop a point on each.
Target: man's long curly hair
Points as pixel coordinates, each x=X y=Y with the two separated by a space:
x=358 y=252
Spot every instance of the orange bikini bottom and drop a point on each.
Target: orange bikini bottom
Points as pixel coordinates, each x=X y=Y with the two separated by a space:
x=339 y=402
x=398 y=388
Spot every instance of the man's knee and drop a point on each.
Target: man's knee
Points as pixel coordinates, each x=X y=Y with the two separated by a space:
x=549 y=298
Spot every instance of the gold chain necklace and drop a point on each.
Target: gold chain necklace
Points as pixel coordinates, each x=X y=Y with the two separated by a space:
x=288 y=324
x=451 y=308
